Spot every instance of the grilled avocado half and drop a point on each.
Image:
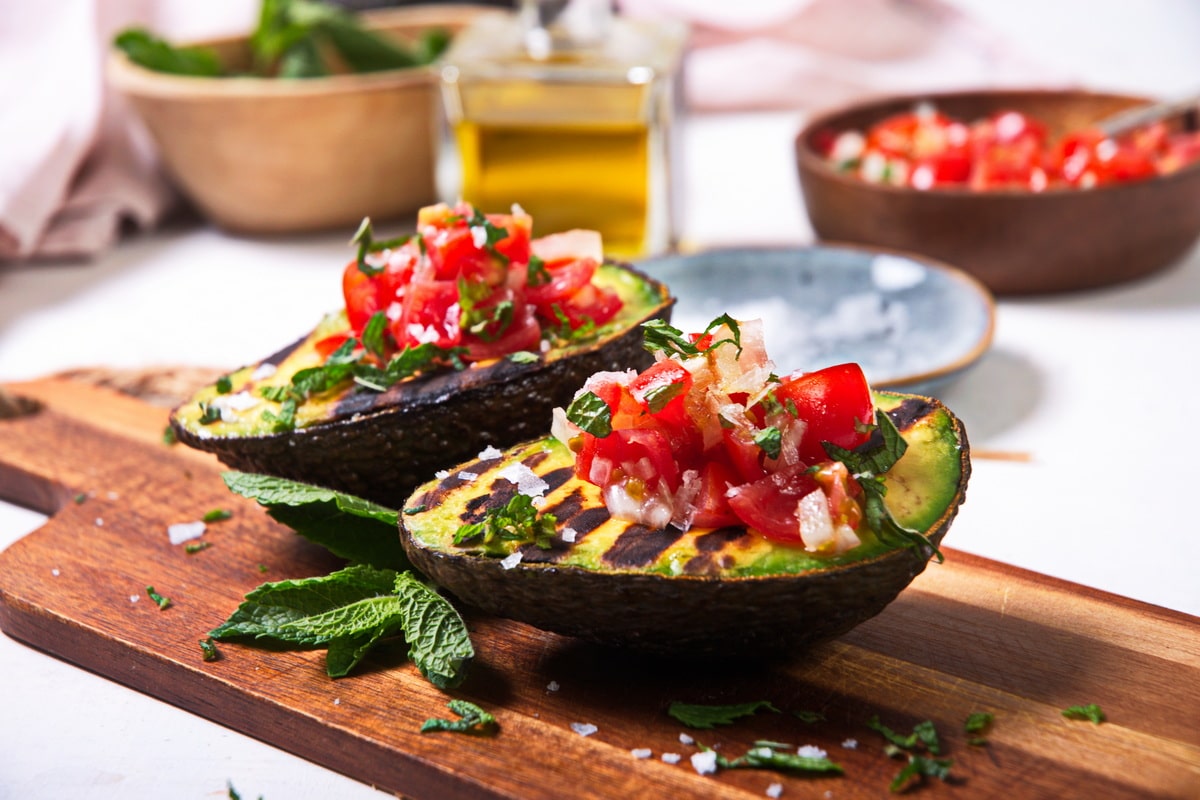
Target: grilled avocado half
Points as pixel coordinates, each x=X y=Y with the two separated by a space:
x=711 y=592
x=380 y=445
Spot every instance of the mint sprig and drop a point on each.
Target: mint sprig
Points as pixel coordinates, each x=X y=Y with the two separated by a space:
x=591 y=414
x=660 y=337
x=471 y=719
x=704 y=717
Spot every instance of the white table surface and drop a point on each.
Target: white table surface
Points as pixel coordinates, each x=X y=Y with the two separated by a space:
x=1098 y=388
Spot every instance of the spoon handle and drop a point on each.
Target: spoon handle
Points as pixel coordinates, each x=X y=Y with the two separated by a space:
x=1125 y=121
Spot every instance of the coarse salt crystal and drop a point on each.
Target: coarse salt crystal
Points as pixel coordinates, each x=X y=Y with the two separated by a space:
x=552 y=686
x=775 y=790
x=99 y=522
x=671 y=758
x=584 y=728
x=394 y=311
x=488 y=453
x=467 y=476
x=263 y=371
x=850 y=744
x=641 y=752
x=337 y=701
x=569 y=535
x=527 y=481
x=55 y=572
x=133 y=598
x=181 y=532
x=685 y=739
x=511 y=560
x=112 y=496
x=705 y=762
x=811 y=751
x=441 y=474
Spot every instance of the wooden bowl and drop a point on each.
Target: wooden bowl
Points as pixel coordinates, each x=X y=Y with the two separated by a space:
x=1015 y=242
x=262 y=155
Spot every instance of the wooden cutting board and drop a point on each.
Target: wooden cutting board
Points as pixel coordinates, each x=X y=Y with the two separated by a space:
x=969 y=635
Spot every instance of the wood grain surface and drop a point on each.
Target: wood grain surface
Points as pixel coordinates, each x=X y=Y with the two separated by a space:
x=969 y=635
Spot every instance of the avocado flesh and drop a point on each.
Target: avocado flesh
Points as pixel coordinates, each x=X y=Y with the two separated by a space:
x=703 y=592
x=379 y=445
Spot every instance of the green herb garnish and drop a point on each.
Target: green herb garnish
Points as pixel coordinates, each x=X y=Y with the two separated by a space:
x=224 y=385
x=209 y=414
x=919 y=767
x=591 y=414
x=774 y=756
x=705 y=716
x=1091 y=712
x=168 y=436
x=660 y=337
x=208 y=649
x=493 y=233
x=810 y=716
x=472 y=719
x=868 y=464
x=162 y=602
x=536 y=273
x=523 y=357
x=923 y=734
x=196 y=547
x=977 y=723
x=517 y=521
x=770 y=441
x=217 y=515
x=364 y=239
x=352 y=610
x=660 y=397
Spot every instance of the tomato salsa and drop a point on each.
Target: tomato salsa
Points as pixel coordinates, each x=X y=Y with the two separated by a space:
x=708 y=437
x=476 y=284
x=926 y=149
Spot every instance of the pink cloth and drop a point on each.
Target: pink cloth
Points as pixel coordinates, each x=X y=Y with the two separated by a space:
x=74 y=163
x=817 y=54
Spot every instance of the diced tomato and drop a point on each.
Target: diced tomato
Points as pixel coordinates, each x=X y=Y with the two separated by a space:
x=712 y=507
x=745 y=456
x=430 y=314
x=592 y=303
x=326 y=347
x=361 y=293
x=641 y=454
x=561 y=281
x=834 y=403
x=769 y=505
x=522 y=333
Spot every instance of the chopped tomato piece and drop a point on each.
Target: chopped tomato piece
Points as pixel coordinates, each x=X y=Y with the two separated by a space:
x=835 y=404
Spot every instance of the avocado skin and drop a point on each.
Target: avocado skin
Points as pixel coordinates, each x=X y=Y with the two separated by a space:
x=383 y=452
x=760 y=616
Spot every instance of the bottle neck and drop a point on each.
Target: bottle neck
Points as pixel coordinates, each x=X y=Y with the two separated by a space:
x=562 y=28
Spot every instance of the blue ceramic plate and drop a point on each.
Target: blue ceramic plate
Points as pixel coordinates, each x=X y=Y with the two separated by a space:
x=912 y=324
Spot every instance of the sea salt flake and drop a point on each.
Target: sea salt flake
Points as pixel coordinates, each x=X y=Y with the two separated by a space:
x=112 y=496
x=527 y=481
x=263 y=371
x=55 y=572
x=133 y=598
x=850 y=744
x=641 y=752
x=811 y=751
x=584 y=728
x=488 y=453
x=775 y=790
x=705 y=762
x=99 y=522
x=685 y=739
x=511 y=560
x=337 y=701
x=181 y=532
x=441 y=474
x=569 y=535
x=671 y=758
x=467 y=476
x=552 y=686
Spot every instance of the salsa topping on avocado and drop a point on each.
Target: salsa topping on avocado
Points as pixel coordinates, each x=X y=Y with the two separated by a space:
x=709 y=436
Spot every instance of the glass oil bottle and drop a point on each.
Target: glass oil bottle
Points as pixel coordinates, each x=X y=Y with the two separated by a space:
x=567 y=110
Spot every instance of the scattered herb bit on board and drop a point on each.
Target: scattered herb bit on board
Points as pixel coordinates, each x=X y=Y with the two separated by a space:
x=705 y=716
x=776 y=756
x=208 y=649
x=217 y=515
x=924 y=736
x=195 y=547
x=163 y=602
x=169 y=437
x=1090 y=712
x=472 y=719
x=978 y=723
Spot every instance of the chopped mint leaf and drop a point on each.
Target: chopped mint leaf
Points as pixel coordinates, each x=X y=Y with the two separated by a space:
x=414 y=509
x=350 y=611
x=772 y=755
x=374 y=336
x=770 y=441
x=1090 y=712
x=364 y=238
x=493 y=233
x=209 y=413
x=660 y=396
x=208 y=649
x=472 y=719
x=523 y=357
x=705 y=716
x=591 y=414
x=163 y=602
x=517 y=521
x=920 y=767
x=350 y=527
x=923 y=734
x=978 y=722
x=217 y=515
x=536 y=273
x=660 y=337
x=196 y=547
x=810 y=716
x=168 y=436
x=80 y=498
x=224 y=385
x=285 y=420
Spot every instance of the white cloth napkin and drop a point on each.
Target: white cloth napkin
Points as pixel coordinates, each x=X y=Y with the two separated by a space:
x=74 y=163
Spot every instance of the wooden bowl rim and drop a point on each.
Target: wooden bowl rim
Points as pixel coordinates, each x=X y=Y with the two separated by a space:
x=809 y=161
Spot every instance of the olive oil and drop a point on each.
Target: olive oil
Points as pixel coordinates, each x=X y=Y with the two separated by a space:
x=578 y=134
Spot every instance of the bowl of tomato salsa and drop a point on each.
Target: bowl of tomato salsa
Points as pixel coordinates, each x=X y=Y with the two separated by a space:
x=1020 y=188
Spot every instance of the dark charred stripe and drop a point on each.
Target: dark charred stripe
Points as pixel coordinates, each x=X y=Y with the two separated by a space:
x=275 y=359
x=533 y=459
x=500 y=493
x=714 y=541
x=569 y=513
x=910 y=412
x=640 y=546
x=557 y=477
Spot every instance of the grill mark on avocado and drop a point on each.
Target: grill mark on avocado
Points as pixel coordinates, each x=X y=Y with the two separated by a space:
x=710 y=559
x=909 y=412
x=639 y=546
x=569 y=513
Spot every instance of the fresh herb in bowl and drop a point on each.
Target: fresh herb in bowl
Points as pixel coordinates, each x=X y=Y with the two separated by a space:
x=294 y=39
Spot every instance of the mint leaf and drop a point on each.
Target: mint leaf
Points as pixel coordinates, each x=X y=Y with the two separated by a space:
x=920 y=767
x=770 y=441
x=704 y=716
x=978 y=722
x=591 y=414
x=523 y=357
x=517 y=521
x=163 y=602
x=438 y=640
x=472 y=719
x=770 y=755
x=147 y=50
x=348 y=526
x=660 y=396
x=923 y=734
x=659 y=337
x=1090 y=712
